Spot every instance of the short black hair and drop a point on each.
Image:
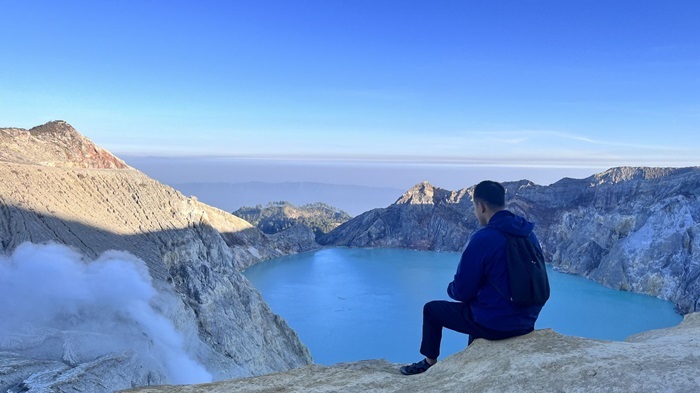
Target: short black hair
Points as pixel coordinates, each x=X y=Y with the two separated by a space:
x=490 y=192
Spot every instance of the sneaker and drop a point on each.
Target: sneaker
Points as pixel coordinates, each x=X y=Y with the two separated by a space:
x=415 y=368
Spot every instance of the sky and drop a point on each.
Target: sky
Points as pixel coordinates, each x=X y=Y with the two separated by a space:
x=363 y=91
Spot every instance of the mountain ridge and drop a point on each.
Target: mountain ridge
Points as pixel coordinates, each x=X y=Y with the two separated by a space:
x=629 y=228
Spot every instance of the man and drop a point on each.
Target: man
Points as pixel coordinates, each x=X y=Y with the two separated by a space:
x=480 y=311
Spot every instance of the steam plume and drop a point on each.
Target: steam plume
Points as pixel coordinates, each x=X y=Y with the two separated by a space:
x=53 y=288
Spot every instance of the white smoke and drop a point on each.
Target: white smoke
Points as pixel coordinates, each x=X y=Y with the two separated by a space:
x=103 y=305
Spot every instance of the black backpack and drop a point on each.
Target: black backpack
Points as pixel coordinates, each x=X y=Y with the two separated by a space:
x=529 y=285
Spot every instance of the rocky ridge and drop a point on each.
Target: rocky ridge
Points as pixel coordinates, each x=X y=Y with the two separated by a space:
x=663 y=360
x=632 y=229
x=194 y=254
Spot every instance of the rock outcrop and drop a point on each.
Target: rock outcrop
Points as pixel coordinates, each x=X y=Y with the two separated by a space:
x=664 y=360
x=62 y=189
x=632 y=229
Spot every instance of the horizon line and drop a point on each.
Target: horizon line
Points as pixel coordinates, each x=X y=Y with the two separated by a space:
x=427 y=161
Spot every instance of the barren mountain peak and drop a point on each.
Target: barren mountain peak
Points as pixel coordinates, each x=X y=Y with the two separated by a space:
x=422 y=193
x=53 y=127
x=55 y=143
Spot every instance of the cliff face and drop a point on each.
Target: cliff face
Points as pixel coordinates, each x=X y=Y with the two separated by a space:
x=636 y=230
x=664 y=360
x=627 y=228
x=193 y=253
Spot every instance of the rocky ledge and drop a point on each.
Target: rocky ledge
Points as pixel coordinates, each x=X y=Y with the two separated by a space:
x=664 y=360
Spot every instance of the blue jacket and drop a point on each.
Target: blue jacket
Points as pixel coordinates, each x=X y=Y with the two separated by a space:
x=484 y=262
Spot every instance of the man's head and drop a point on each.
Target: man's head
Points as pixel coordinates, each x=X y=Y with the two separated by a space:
x=489 y=198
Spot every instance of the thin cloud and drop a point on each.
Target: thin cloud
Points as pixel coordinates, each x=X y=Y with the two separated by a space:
x=537 y=136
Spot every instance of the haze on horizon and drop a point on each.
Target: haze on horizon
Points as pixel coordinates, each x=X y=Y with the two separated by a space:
x=381 y=93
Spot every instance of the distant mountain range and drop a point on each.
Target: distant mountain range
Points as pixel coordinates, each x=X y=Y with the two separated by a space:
x=232 y=196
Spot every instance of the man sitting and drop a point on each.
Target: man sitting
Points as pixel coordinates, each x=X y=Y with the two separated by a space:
x=481 y=311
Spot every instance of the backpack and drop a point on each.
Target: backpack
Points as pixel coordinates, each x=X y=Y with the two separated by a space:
x=527 y=273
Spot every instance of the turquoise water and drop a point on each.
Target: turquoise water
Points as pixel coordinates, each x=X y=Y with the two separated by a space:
x=354 y=304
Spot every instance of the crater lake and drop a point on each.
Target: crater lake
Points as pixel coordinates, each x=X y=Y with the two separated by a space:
x=350 y=304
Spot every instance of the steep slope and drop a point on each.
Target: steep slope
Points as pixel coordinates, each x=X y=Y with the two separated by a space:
x=193 y=252
x=664 y=360
x=629 y=228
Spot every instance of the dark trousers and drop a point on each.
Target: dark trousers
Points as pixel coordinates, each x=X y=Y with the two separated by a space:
x=455 y=316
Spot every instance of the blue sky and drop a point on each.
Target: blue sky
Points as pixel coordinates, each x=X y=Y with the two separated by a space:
x=539 y=84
